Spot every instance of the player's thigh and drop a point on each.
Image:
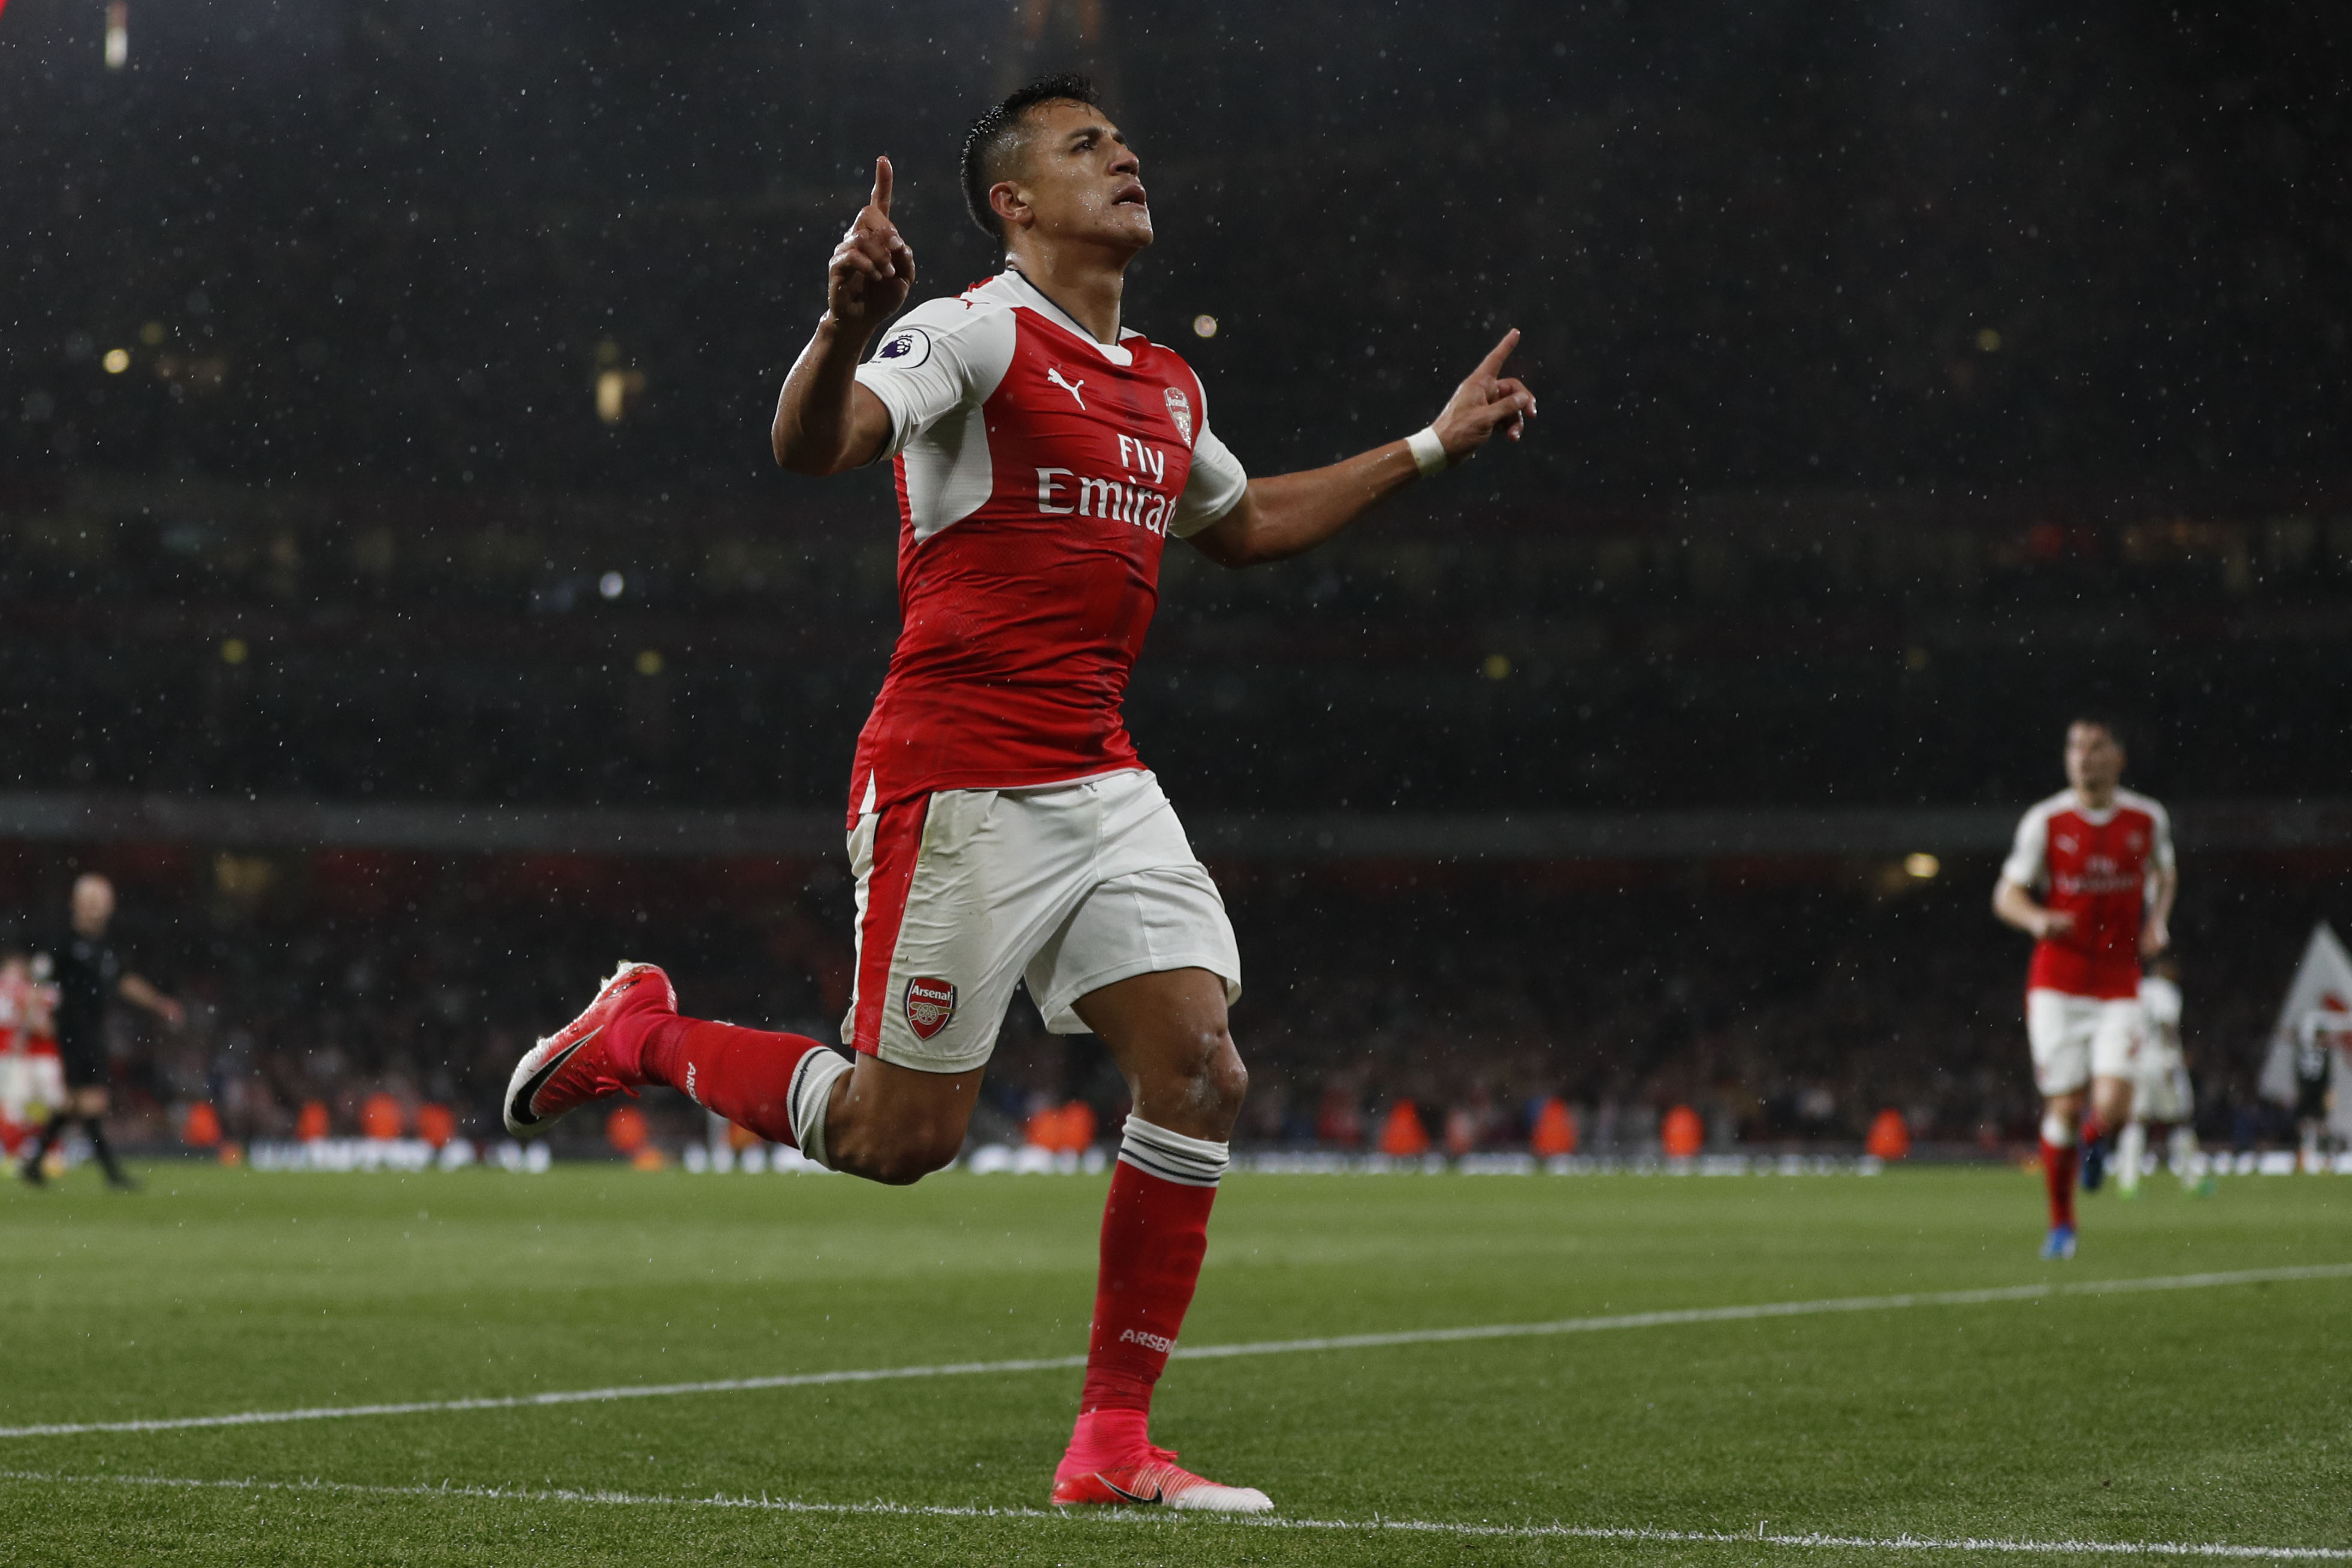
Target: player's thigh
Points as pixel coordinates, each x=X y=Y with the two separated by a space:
x=887 y=1112
x=2116 y=1039
x=1152 y=909
x=954 y=895
x=2058 y=1028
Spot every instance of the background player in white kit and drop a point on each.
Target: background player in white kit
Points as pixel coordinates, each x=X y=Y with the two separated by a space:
x=2162 y=1097
x=2102 y=859
x=1002 y=827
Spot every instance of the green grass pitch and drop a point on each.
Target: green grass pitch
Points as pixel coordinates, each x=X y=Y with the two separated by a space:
x=2213 y=1414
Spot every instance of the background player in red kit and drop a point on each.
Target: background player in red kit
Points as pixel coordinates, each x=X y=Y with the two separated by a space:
x=1001 y=827
x=2103 y=857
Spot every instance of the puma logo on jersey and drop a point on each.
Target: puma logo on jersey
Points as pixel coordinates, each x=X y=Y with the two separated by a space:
x=1054 y=376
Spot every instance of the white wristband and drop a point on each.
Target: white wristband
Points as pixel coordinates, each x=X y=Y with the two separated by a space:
x=1428 y=451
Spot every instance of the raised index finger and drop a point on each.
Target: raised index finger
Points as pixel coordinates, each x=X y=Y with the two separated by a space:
x=1498 y=353
x=881 y=196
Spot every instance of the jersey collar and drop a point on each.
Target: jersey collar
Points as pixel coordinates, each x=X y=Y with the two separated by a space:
x=1021 y=291
x=2098 y=818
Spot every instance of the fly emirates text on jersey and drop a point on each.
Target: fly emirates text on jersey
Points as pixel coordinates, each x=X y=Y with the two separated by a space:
x=1062 y=491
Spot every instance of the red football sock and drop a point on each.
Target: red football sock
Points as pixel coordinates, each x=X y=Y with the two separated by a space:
x=1155 y=1231
x=744 y=1074
x=2058 y=1176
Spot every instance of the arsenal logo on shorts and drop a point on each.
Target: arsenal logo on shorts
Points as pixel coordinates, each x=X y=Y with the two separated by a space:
x=1179 y=409
x=929 y=1004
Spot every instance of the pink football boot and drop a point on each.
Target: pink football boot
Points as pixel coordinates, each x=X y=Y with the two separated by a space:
x=1154 y=1478
x=572 y=1066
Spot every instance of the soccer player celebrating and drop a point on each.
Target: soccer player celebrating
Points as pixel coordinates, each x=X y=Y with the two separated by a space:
x=1001 y=825
x=2103 y=856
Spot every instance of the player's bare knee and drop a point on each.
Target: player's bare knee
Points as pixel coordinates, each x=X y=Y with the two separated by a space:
x=1216 y=1081
x=1227 y=1081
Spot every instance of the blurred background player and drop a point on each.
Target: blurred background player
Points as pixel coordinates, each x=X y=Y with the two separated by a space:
x=2162 y=1098
x=2102 y=859
x=2323 y=1031
x=32 y=1079
x=89 y=976
x=1001 y=825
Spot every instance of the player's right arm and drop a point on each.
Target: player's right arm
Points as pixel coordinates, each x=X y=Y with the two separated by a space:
x=2014 y=902
x=825 y=423
x=2015 y=906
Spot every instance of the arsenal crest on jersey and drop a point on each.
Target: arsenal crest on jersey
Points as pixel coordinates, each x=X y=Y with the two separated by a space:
x=931 y=1002
x=1180 y=410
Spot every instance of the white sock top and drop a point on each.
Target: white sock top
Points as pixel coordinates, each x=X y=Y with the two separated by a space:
x=1172 y=1156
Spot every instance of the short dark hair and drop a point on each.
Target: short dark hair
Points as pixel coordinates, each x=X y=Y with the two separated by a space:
x=994 y=134
x=2106 y=721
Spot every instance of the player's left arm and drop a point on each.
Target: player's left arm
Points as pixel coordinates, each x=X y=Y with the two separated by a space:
x=1286 y=514
x=2163 y=888
x=2155 y=931
x=139 y=994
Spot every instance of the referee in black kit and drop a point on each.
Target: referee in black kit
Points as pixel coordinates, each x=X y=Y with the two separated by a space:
x=89 y=976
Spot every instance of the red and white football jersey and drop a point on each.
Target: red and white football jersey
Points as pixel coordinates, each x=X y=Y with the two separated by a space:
x=2098 y=867
x=1040 y=474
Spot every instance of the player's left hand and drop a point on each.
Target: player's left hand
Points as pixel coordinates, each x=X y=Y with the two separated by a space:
x=1486 y=402
x=2154 y=938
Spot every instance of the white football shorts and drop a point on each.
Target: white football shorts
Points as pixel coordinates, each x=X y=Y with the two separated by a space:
x=27 y=1080
x=2076 y=1038
x=963 y=893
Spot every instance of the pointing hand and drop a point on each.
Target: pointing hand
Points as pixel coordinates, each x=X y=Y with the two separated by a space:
x=1486 y=402
x=872 y=270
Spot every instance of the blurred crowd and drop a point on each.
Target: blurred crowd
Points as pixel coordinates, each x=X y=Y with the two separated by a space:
x=1789 y=1013
x=556 y=648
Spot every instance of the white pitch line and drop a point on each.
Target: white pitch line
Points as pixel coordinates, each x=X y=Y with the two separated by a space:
x=1212 y=1351
x=1815 y=1539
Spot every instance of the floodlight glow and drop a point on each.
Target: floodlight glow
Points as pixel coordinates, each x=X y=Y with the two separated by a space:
x=611 y=584
x=1204 y=325
x=117 y=361
x=1922 y=866
x=612 y=396
x=118 y=34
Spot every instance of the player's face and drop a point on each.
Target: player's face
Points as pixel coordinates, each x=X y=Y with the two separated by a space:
x=2093 y=760
x=1082 y=181
x=93 y=903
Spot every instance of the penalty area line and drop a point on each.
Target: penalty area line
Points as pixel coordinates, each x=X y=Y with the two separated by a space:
x=451 y=1491
x=1667 y=1319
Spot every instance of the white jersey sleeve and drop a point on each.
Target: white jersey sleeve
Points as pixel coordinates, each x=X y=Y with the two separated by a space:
x=1215 y=486
x=2029 y=855
x=943 y=358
